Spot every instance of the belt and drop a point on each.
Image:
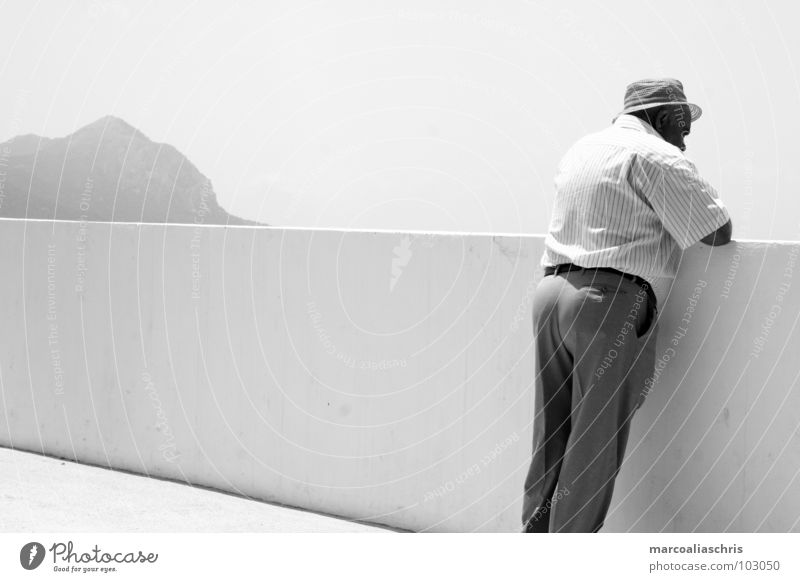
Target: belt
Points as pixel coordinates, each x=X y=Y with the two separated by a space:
x=565 y=267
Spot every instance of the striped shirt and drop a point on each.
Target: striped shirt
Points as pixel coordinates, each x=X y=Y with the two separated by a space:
x=627 y=199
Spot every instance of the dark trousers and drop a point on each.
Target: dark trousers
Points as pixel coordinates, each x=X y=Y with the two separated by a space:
x=595 y=335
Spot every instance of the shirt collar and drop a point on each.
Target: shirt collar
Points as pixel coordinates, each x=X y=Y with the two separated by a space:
x=632 y=122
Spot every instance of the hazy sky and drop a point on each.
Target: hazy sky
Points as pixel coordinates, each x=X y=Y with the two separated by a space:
x=412 y=115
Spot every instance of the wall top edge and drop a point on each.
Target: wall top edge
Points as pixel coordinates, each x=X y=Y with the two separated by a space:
x=274 y=227
x=354 y=230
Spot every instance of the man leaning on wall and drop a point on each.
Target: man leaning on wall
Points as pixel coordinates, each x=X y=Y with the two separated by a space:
x=627 y=202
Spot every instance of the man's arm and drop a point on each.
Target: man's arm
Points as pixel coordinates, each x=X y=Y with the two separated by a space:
x=719 y=237
x=687 y=205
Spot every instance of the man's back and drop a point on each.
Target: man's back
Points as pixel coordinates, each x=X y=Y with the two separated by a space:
x=627 y=199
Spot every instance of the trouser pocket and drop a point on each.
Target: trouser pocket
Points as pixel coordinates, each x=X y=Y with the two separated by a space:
x=648 y=315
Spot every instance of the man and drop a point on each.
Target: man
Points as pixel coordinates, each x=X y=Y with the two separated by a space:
x=627 y=202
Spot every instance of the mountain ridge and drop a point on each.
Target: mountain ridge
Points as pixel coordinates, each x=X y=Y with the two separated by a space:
x=107 y=170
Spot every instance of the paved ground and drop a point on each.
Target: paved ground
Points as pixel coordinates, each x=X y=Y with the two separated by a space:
x=44 y=494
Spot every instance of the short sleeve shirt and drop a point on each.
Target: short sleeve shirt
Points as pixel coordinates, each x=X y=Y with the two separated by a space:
x=628 y=199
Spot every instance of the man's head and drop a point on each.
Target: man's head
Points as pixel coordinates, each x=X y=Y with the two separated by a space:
x=662 y=103
x=672 y=122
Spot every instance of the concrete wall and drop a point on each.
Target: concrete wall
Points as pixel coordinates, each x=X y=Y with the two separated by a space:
x=382 y=376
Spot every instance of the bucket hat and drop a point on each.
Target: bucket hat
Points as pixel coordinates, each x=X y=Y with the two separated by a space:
x=647 y=93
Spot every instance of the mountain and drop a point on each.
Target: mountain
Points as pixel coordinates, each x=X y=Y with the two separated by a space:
x=105 y=171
